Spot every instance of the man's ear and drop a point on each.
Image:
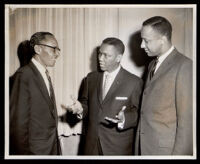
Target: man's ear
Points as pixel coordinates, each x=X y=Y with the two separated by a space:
x=37 y=49
x=119 y=57
x=164 y=39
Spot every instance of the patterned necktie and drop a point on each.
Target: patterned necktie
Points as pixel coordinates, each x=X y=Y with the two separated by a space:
x=50 y=87
x=52 y=96
x=153 y=68
x=106 y=85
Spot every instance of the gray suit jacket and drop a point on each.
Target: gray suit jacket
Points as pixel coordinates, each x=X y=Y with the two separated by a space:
x=112 y=140
x=165 y=124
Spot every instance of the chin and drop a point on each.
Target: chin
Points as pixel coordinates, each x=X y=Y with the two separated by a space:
x=151 y=55
x=51 y=64
x=102 y=69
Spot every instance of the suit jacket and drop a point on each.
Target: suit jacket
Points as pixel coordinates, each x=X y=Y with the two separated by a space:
x=33 y=115
x=112 y=140
x=165 y=126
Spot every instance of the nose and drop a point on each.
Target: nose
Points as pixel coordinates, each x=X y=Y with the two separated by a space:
x=57 y=53
x=101 y=57
x=142 y=44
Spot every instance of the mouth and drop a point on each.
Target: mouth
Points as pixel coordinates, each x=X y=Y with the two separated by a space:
x=101 y=64
x=53 y=61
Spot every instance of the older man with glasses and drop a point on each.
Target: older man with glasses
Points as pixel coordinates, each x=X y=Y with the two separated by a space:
x=33 y=113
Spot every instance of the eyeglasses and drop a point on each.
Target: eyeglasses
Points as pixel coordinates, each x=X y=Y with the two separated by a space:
x=55 y=48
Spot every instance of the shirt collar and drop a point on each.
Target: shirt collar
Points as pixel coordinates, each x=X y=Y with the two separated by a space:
x=39 y=66
x=163 y=56
x=114 y=73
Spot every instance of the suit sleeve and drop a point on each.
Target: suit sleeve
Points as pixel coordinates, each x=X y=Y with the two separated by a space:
x=19 y=115
x=183 y=140
x=83 y=96
x=131 y=114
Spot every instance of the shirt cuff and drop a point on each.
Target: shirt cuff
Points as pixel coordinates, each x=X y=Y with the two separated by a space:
x=120 y=125
x=79 y=116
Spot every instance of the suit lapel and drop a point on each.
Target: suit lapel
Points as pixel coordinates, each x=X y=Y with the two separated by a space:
x=99 y=87
x=41 y=84
x=114 y=86
x=166 y=64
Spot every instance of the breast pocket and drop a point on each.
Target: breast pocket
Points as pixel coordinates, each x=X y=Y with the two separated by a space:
x=120 y=101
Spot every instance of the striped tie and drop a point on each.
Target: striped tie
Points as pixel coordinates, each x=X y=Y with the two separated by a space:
x=50 y=87
x=153 y=68
x=106 y=85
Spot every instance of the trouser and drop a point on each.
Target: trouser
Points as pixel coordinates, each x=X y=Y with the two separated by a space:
x=70 y=144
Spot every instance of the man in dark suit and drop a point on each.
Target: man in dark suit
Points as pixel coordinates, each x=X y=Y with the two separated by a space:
x=165 y=126
x=107 y=95
x=33 y=113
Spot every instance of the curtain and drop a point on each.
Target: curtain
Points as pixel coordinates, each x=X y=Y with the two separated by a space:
x=78 y=32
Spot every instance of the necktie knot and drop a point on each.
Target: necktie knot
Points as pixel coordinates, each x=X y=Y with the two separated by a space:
x=47 y=73
x=152 y=72
x=48 y=77
x=156 y=60
x=107 y=76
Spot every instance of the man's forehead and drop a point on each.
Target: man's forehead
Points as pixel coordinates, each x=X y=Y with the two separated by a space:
x=49 y=39
x=108 y=49
x=149 y=32
x=107 y=46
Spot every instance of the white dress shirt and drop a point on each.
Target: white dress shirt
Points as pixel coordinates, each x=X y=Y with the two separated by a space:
x=111 y=75
x=42 y=71
x=162 y=57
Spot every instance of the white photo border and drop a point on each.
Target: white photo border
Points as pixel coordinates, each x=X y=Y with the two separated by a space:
x=6 y=130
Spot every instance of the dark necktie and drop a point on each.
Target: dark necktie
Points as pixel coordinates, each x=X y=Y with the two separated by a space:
x=50 y=87
x=153 y=68
x=52 y=96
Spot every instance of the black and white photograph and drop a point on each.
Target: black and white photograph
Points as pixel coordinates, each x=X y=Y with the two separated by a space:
x=100 y=81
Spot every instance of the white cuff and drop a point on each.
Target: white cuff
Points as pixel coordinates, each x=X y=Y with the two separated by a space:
x=120 y=125
x=79 y=116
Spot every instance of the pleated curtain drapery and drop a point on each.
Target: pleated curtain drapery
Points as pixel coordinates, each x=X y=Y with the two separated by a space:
x=79 y=32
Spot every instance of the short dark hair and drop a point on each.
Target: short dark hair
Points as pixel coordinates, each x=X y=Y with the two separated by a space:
x=23 y=53
x=117 y=43
x=37 y=38
x=161 y=25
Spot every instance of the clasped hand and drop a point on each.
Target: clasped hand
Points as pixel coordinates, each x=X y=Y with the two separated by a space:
x=120 y=117
x=75 y=108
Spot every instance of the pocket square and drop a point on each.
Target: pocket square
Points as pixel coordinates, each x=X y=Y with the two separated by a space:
x=121 y=98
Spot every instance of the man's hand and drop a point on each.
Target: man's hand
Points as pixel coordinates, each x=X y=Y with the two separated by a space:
x=120 y=118
x=75 y=108
x=112 y=120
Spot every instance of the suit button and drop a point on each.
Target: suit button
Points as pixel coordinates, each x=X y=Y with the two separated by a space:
x=144 y=92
